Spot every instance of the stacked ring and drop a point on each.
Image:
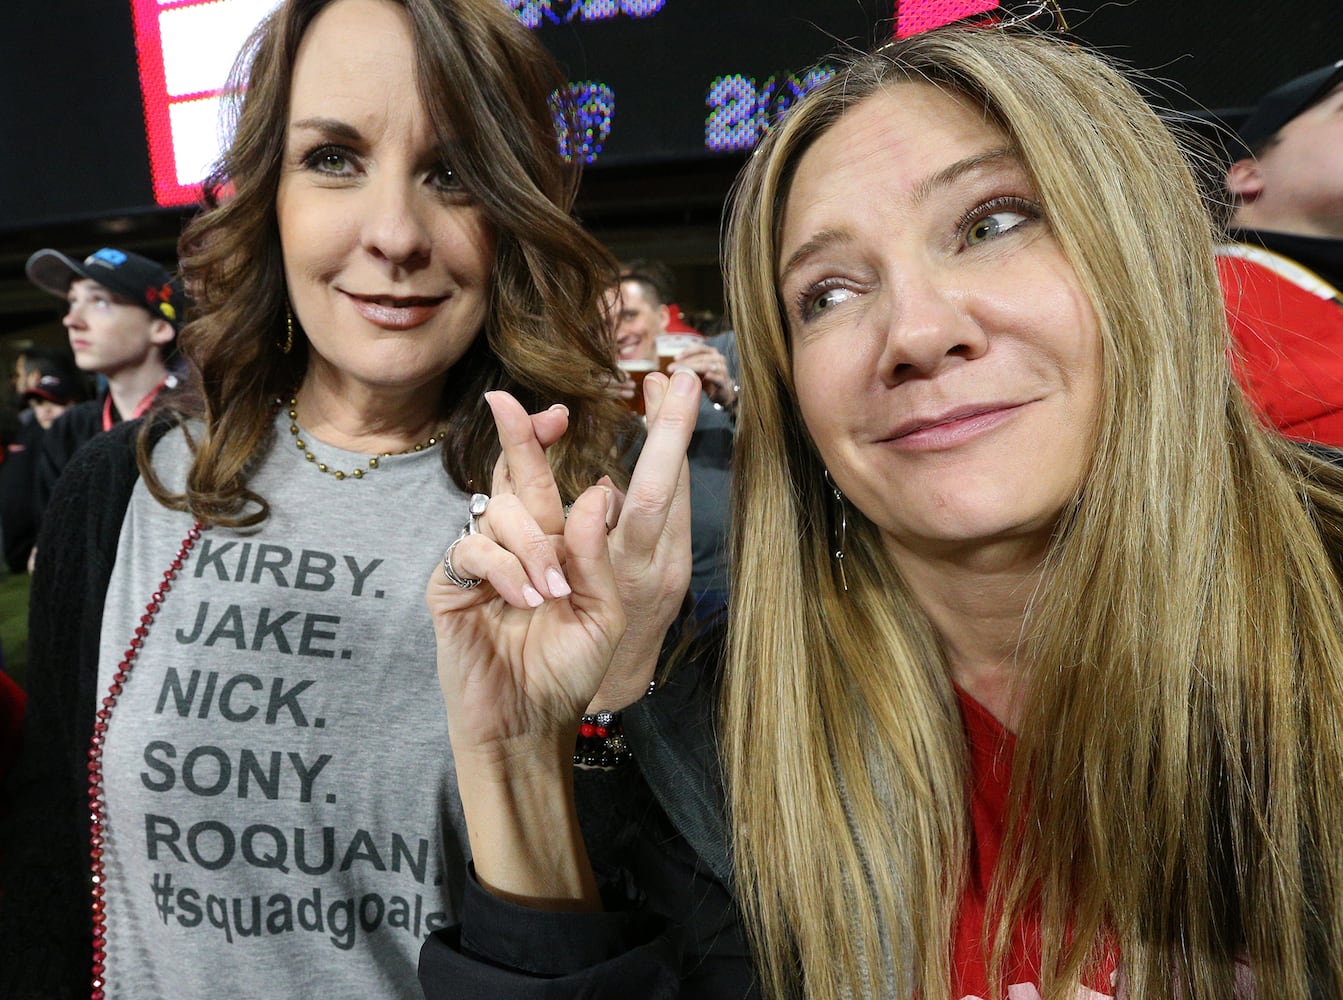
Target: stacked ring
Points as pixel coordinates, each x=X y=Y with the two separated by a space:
x=465 y=582
x=476 y=508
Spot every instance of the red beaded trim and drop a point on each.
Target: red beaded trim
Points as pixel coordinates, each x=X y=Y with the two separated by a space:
x=97 y=800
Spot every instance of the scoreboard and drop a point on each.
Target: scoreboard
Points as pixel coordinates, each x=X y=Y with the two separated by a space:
x=651 y=79
x=111 y=107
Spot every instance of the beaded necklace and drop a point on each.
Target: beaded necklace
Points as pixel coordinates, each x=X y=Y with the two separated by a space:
x=372 y=462
x=97 y=793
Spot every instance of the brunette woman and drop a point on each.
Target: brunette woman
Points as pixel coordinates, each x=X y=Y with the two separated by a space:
x=225 y=787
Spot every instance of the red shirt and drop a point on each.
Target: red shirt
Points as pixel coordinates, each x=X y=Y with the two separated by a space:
x=1288 y=347
x=991 y=749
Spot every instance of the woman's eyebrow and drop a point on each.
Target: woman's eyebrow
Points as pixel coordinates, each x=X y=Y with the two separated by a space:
x=951 y=173
x=333 y=127
x=923 y=190
x=823 y=240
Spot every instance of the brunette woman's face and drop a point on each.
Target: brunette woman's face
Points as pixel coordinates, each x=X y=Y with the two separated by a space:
x=387 y=258
x=947 y=362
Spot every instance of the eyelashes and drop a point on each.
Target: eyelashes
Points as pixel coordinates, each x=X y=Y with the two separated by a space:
x=986 y=222
x=321 y=159
x=811 y=301
x=335 y=161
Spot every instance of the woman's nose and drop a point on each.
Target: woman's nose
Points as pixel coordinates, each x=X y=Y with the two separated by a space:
x=930 y=325
x=395 y=226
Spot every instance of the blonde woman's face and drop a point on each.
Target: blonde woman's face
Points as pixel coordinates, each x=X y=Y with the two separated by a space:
x=947 y=362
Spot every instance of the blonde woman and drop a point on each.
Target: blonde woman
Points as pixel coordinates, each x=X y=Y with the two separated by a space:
x=1031 y=682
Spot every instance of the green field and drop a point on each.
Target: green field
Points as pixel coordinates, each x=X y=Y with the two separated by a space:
x=14 y=625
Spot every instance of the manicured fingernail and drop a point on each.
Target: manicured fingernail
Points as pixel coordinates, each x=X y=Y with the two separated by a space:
x=610 y=502
x=684 y=383
x=532 y=596
x=559 y=406
x=559 y=586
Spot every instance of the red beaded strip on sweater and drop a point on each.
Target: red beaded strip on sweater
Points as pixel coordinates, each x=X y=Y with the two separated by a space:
x=97 y=798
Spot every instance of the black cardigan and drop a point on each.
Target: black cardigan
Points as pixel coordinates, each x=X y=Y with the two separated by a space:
x=45 y=923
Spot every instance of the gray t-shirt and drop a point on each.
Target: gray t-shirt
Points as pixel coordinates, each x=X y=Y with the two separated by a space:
x=282 y=811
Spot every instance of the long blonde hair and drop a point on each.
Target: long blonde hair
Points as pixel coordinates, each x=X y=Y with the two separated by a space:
x=1179 y=769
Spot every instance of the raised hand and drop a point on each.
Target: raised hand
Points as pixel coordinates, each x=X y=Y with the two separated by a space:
x=522 y=654
x=710 y=365
x=650 y=544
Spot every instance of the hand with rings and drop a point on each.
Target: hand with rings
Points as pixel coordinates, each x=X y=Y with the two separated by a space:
x=533 y=610
x=474 y=509
x=711 y=366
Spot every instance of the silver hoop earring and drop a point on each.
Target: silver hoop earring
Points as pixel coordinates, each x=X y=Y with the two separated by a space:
x=842 y=519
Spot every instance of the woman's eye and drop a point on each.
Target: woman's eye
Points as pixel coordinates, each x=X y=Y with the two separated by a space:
x=993 y=225
x=816 y=302
x=329 y=161
x=446 y=179
x=991 y=219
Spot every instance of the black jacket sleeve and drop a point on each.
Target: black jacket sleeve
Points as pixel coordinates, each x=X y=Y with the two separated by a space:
x=45 y=924
x=501 y=949
x=669 y=931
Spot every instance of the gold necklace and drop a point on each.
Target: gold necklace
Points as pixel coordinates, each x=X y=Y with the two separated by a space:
x=372 y=462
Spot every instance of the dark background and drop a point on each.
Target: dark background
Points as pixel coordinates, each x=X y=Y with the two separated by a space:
x=74 y=173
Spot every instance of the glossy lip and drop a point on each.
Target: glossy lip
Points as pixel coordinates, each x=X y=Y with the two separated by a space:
x=396 y=312
x=952 y=427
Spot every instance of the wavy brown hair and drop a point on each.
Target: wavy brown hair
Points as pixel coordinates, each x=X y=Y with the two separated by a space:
x=496 y=99
x=1179 y=766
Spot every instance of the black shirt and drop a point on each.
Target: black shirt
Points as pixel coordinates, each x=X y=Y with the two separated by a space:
x=1323 y=256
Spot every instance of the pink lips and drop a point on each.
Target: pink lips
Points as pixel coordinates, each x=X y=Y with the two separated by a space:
x=393 y=313
x=954 y=427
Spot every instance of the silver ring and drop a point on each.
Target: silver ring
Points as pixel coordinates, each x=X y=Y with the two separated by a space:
x=476 y=508
x=465 y=582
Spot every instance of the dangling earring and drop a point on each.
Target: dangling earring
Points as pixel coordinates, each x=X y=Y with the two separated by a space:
x=288 y=344
x=842 y=516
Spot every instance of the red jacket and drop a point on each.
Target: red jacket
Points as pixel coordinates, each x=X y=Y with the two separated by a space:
x=1287 y=332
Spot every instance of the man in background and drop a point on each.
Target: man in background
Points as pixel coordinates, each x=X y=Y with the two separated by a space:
x=51 y=395
x=638 y=316
x=54 y=387
x=1283 y=271
x=664 y=281
x=122 y=315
